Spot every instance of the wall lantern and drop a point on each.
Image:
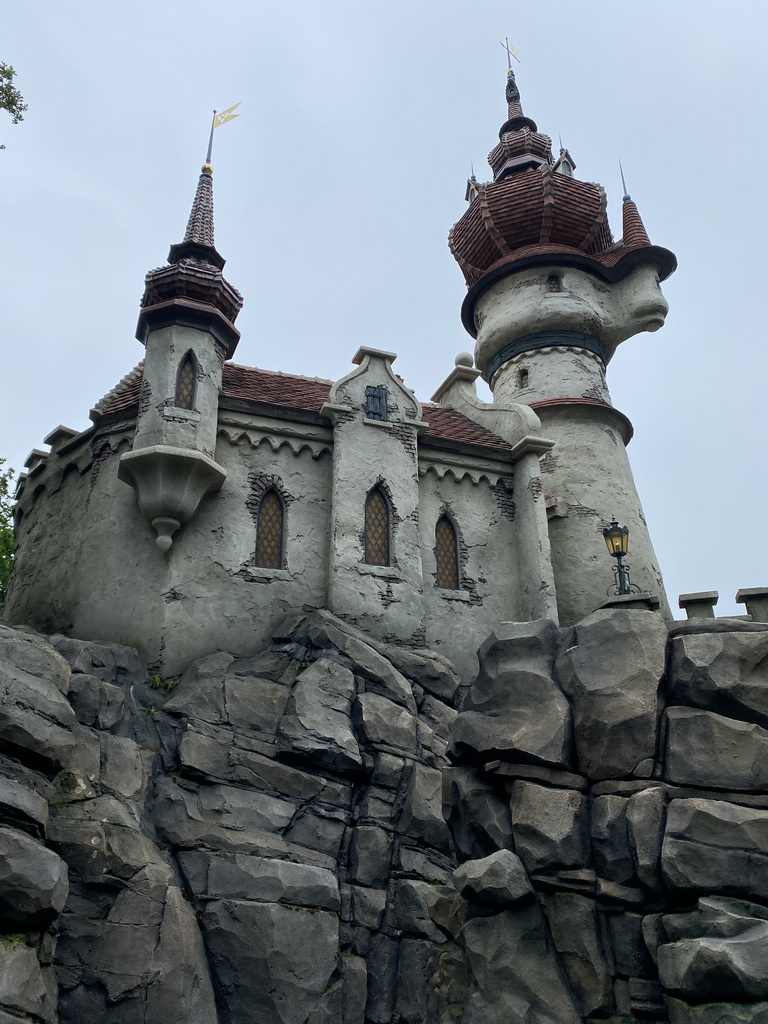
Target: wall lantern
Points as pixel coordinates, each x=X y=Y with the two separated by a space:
x=617 y=542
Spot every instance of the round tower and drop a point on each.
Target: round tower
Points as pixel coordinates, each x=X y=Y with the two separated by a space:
x=551 y=296
x=187 y=326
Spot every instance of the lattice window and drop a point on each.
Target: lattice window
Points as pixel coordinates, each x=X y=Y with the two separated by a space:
x=376 y=528
x=185 y=383
x=446 y=554
x=376 y=403
x=269 y=531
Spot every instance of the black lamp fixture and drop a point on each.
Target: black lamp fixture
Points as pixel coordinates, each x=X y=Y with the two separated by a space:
x=617 y=542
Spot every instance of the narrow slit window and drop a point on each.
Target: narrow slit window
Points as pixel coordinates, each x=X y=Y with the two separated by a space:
x=376 y=528
x=270 y=525
x=185 y=383
x=446 y=554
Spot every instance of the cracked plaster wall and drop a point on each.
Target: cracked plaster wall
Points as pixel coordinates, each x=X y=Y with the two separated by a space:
x=458 y=621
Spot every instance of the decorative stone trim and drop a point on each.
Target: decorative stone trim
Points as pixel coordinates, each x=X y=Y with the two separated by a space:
x=545 y=339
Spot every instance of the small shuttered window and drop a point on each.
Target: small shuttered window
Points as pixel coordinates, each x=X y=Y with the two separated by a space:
x=270 y=525
x=446 y=554
x=185 y=383
x=376 y=528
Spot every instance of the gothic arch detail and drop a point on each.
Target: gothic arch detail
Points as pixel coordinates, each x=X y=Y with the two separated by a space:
x=447 y=573
x=270 y=531
x=378 y=528
x=186 y=382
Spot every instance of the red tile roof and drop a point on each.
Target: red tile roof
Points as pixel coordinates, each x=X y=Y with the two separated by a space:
x=291 y=391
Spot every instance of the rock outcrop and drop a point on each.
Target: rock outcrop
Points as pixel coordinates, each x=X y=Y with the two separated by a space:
x=319 y=834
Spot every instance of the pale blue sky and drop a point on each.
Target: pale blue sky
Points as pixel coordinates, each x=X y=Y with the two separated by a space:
x=336 y=187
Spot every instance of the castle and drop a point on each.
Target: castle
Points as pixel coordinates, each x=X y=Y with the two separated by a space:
x=209 y=500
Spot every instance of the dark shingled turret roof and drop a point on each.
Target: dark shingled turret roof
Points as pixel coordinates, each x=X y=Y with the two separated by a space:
x=531 y=214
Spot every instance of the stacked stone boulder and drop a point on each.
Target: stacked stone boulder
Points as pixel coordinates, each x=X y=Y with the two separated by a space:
x=618 y=769
x=259 y=840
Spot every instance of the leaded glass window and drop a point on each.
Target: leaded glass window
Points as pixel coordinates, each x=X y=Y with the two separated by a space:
x=269 y=531
x=185 y=383
x=376 y=528
x=446 y=554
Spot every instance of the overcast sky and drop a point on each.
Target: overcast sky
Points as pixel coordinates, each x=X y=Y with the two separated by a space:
x=336 y=188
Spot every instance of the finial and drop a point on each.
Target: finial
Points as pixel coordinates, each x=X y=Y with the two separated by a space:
x=464 y=359
x=627 y=196
x=560 y=140
x=472 y=171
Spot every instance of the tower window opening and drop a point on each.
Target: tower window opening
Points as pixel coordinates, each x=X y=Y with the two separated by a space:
x=377 y=528
x=376 y=403
x=446 y=554
x=185 y=383
x=270 y=524
x=522 y=378
x=553 y=283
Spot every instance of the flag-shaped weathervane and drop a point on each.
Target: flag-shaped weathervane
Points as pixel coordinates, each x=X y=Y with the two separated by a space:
x=219 y=117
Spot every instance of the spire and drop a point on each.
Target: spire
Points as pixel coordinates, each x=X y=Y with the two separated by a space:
x=634 y=234
x=516 y=119
x=198 y=238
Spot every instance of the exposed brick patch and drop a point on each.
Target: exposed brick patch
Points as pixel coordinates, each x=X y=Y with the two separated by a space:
x=503 y=493
x=145 y=395
x=548 y=463
x=406 y=435
x=593 y=392
x=535 y=487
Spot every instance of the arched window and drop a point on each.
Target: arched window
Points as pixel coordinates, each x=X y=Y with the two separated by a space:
x=376 y=528
x=446 y=554
x=186 y=379
x=270 y=522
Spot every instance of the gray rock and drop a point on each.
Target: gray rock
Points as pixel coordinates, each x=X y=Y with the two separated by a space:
x=721 y=672
x=382 y=975
x=612 y=856
x=705 y=749
x=513 y=973
x=381 y=676
x=715 y=847
x=422 y=814
x=630 y=953
x=429 y=669
x=370 y=855
x=33 y=880
x=27 y=654
x=367 y=906
x=717 y=1013
x=611 y=673
x=22 y=989
x=257 y=704
x=123 y=769
x=266 y=880
x=712 y=968
x=433 y=868
x=316 y=723
x=21 y=805
x=645 y=827
x=271 y=963
x=112 y=663
x=319 y=830
x=550 y=827
x=514 y=707
x=95 y=702
x=479 y=819
x=200 y=693
x=575 y=928
x=413 y=899
x=498 y=880
x=385 y=723
x=354 y=981
x=417 y=964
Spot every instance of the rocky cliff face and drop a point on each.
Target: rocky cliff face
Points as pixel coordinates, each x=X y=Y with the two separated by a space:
x=265 y=839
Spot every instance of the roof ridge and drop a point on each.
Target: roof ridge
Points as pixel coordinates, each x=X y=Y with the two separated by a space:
x=280 y=373
x=129 y=378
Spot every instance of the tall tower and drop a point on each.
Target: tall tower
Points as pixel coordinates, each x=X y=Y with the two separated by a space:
x=187 y=325
x=551 y=295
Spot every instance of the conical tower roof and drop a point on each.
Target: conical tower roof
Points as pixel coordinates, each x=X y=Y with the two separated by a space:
x=535 y=213
x=192 y=289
